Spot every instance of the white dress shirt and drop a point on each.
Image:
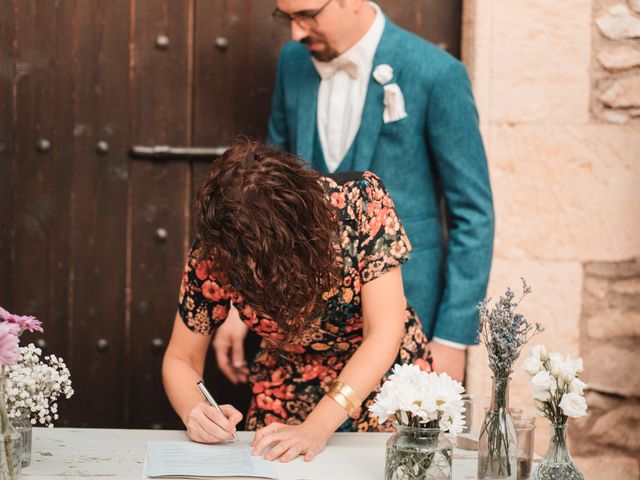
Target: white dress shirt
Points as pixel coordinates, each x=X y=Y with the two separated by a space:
x=343 y=88
x=341 y=96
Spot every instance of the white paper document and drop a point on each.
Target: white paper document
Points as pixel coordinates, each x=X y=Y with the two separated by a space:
x=188 y=459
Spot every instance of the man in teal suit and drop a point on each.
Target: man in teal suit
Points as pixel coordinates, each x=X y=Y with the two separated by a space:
x=355 y=92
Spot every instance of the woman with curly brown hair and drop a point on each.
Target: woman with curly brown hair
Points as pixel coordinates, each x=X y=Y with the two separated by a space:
x=312 y=265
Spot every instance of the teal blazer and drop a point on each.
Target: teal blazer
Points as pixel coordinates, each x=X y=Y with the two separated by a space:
x=435 y=152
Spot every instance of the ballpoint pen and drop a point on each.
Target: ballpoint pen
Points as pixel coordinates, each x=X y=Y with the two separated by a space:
x=209 y=398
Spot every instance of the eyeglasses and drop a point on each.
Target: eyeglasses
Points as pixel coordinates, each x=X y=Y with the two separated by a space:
x=305 y=19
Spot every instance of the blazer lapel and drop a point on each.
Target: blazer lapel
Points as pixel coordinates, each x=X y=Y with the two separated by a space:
x=306 y=110
x=371 y=122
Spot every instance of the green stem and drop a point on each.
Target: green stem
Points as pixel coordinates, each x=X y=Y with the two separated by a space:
x=415 y=455
x=495 y=428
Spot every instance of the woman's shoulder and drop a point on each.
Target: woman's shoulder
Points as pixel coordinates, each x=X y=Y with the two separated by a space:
x=345 y=178
x=353 y=180
x=354 y=189
x=351 y=192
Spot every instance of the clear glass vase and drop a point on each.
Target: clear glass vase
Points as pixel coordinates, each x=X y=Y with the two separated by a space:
x=498 y=443
x=11 y=441
x=557 y=463
x=22 y=425
x=418 y=454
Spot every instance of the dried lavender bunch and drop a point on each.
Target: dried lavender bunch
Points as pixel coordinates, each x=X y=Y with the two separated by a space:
x=504 y=332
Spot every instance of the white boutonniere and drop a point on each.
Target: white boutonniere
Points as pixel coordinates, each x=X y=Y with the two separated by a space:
x=394 y=108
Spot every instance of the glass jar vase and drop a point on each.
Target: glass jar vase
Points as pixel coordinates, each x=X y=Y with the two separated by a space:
x=415 y=453
x=557 y=463
x=10 y=440
x=498 y=443
x=22 y=425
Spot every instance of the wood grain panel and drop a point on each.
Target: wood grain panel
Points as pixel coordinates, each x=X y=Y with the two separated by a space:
x=402 y=13
x=100 y=185
x=266 y=37
x=220 y=113
x=159 y=199
x=41 y=241
x=441 y=23
x=7 y=158
x=233 y=88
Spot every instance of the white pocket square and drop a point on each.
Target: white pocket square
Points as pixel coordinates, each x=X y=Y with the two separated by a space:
x=393 y=104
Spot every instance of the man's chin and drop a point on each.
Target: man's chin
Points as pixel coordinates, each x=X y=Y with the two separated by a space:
x=319 y=49
x=325 y=55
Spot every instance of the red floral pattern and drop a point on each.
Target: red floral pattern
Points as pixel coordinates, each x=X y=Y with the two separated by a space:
x=287 y=384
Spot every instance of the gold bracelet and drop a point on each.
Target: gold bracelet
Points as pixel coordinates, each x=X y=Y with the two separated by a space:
x=342 y=401
x=347 y=392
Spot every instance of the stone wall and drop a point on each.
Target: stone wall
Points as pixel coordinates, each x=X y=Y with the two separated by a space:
x=616 y=69
x=566 y=182
x=610 y=327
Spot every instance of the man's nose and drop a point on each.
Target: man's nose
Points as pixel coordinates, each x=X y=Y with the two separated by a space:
x=298 y=32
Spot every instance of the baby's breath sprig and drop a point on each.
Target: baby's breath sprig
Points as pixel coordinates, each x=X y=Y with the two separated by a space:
x=34 y=385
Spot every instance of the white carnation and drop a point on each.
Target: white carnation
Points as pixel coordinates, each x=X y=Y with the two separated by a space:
x=532 y=364
x=543 y=381
x=577 y=386
x=573 y=405
x=556 y=362
x=565 y=368
x=540 y=352
x=575 y=364
x=541 y=395
x=383 y=73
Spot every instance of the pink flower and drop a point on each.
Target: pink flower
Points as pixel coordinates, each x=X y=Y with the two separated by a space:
x=24 y=322
x=9 y=350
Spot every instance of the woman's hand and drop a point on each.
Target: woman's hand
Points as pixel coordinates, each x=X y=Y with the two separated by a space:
x=289 y=441
x=205 y=424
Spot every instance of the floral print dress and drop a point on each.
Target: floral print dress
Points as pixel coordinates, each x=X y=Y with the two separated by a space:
x=289 y=382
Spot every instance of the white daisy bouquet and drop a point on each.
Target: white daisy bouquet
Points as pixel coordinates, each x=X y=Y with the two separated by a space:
x=557 y=390
x=424 y=405
x=33 y=386
x=416 y=398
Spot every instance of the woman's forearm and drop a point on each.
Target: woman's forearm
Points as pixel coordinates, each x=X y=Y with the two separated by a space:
x=383 y=313
x=182 y=367
x=180 y=377
x=362 y=373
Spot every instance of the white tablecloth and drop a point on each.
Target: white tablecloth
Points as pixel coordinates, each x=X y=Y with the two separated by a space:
x=86 y=453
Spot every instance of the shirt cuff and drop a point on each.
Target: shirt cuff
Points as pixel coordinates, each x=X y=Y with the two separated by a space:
x=448 y=343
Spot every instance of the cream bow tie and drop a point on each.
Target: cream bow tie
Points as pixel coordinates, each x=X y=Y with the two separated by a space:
x=328 y=69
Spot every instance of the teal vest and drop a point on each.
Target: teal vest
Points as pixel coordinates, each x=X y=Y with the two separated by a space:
x=317 y=160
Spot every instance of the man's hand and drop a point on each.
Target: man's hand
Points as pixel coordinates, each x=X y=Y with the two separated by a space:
x=229 y=348
x=289 y=441
x=448 y=359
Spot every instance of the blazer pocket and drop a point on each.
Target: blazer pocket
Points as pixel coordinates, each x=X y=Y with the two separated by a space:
x=396 y=124
x=424 y=232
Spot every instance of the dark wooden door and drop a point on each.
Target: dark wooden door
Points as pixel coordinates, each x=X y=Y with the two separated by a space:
x=91 y=240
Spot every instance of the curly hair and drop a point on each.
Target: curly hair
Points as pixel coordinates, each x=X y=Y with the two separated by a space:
x=267 y=225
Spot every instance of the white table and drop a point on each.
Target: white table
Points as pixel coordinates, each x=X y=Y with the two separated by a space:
x=86 y=453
